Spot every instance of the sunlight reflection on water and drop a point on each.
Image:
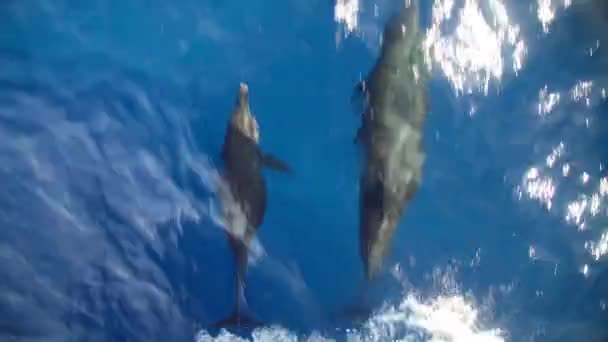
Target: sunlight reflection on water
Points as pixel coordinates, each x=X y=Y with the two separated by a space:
x=474 y=43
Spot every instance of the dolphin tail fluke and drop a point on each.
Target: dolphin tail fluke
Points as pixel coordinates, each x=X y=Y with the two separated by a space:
x=360 y=311
x=237 y=319
x=241 y=315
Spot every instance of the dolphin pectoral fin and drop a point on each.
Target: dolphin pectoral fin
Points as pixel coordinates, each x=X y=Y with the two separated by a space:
x=357 y=97
x=275 y=163
x=358 y=136
x=358 y=91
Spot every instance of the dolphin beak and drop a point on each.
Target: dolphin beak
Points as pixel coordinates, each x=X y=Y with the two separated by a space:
x=243 y=93
x=243 y=89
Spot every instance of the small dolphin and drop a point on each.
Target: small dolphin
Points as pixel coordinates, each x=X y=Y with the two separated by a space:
x=244 y=161
x=390 y=135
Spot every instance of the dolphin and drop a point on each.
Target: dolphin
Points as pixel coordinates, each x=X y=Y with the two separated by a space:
x=390 y=135
x=246 y=187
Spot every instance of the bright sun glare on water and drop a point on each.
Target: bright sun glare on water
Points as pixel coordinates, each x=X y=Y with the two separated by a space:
x=473 y=54
x=115 y=167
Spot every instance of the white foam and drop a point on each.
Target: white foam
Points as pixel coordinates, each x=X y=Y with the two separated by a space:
x=444 y=317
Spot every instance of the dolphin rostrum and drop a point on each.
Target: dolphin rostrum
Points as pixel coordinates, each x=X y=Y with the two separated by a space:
x=243 y=161
x=390 y=136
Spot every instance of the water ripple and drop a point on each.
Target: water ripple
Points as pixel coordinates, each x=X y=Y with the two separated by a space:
x=96 y=201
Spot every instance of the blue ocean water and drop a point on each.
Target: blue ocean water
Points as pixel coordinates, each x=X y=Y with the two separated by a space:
x=112 y=116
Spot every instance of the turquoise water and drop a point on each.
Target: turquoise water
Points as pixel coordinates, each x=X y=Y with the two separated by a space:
x=112 y=116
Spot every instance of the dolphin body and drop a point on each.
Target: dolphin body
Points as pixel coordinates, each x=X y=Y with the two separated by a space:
x=244 y=161
x=390 y=136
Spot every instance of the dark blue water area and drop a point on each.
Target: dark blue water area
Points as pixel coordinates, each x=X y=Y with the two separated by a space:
x=112 y=117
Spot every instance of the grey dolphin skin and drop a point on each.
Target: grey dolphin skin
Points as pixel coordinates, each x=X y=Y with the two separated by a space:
x=390 y=135
x=243 y=162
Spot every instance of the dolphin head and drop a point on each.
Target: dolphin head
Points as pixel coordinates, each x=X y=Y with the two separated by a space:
x=242 y=118
x=403 y=27
x=401 y=50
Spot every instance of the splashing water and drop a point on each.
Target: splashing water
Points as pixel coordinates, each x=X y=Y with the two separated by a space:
x=446 y=317
x=110 y=140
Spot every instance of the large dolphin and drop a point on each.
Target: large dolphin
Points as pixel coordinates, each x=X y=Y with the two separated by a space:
x=243 y=162
x=390 y=136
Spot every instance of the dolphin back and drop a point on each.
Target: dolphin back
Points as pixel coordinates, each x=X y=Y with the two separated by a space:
x=391 y=135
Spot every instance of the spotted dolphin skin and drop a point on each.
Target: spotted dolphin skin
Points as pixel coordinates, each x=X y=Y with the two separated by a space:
x=390 y=136
x=243 y=161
